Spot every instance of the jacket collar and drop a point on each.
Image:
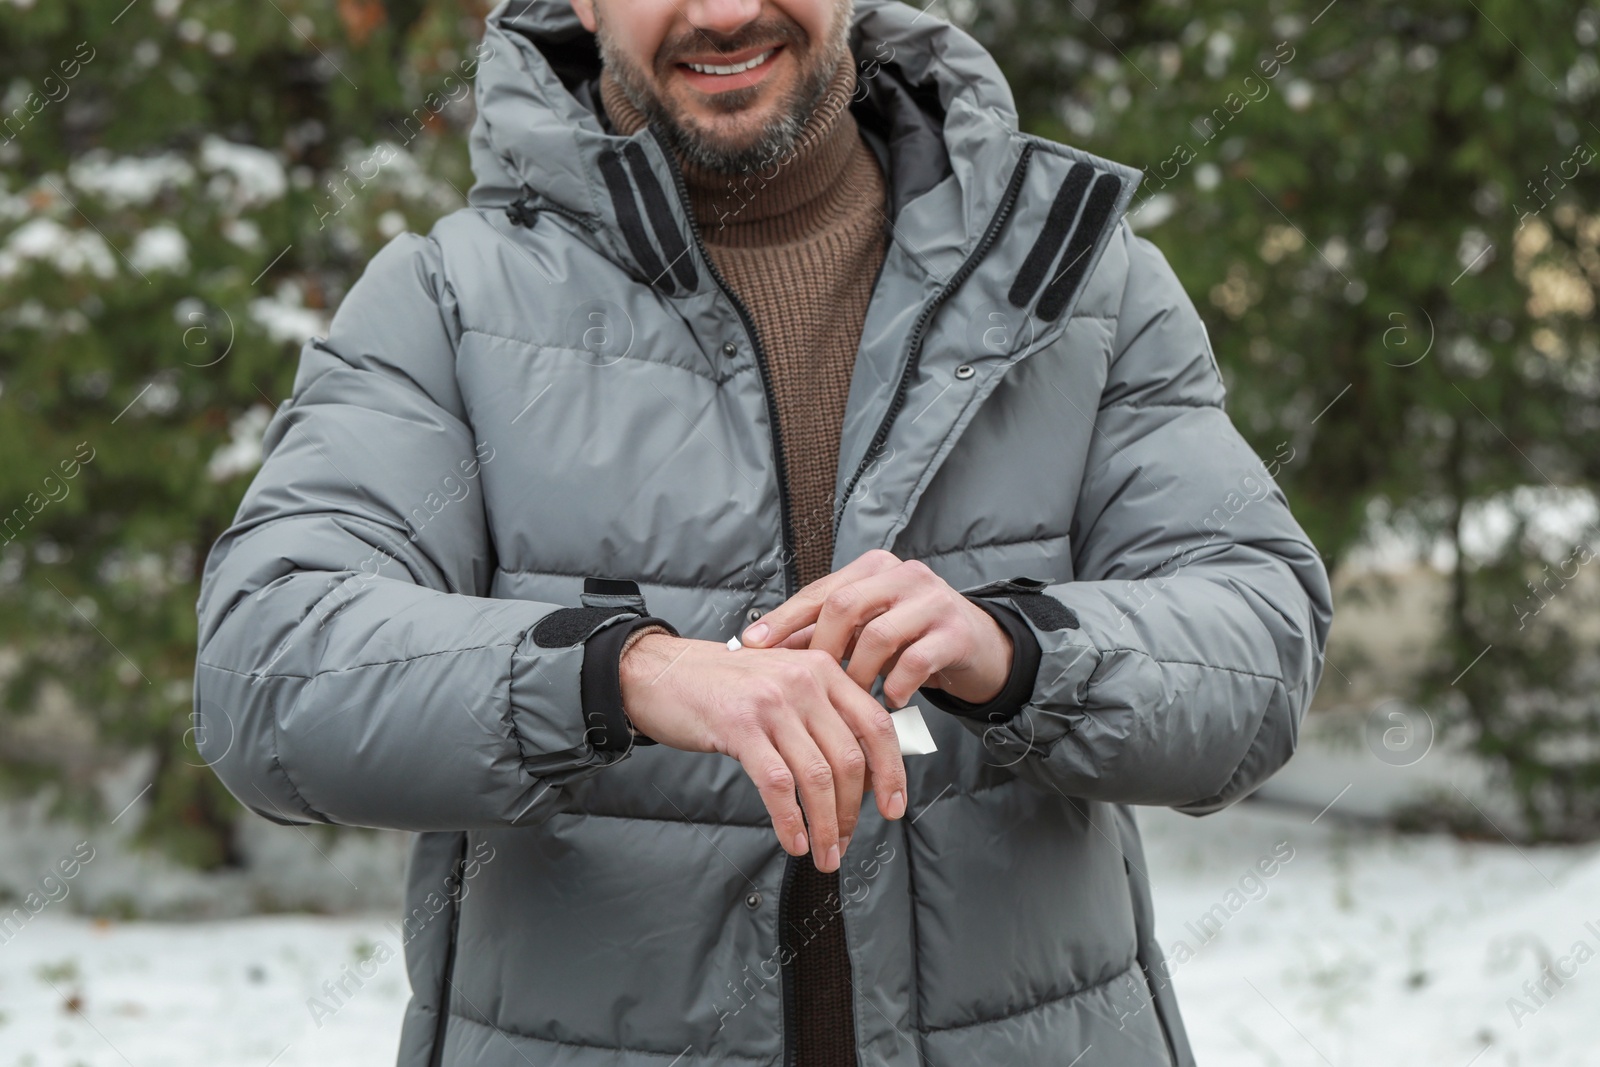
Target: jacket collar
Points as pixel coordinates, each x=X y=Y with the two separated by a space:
x=995 y=233
x=932 y=94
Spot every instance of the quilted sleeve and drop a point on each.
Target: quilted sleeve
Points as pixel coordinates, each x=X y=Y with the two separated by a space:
x=1176 y=669
x=351 y=668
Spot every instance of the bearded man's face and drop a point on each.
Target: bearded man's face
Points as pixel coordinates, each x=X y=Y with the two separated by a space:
x=732 y=82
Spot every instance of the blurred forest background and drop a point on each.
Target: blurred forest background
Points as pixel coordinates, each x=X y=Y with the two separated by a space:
x=1383 y=210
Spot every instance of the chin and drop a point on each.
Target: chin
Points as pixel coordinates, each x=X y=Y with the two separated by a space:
x=732 y=130
x=728 y=102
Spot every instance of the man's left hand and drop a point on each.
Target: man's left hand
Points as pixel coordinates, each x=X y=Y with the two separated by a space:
x=898 y=619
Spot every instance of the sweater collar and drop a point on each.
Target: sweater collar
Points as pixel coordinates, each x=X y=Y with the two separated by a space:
x=798 y=194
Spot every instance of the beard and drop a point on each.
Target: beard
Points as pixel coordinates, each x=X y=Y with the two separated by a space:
x=702 y=147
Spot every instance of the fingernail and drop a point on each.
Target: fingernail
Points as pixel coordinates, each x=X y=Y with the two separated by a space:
x=897 y=804
x=756 y=634
x=844 y=845
x=800 y=846
x=832 y=859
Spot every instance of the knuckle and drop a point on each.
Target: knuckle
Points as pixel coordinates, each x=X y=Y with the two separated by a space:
x=878 y=635
x=916 y=659
x=882 y=557
x=798 y=680
x=745 y=723
x=765 y=694
x=775 y=777
x=818 y=660
x=842 y=600
x=918 y=569
x=819 y=774
x=853 y=762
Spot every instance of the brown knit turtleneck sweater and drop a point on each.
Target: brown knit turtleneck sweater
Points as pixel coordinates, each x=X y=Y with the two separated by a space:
x=800 y=242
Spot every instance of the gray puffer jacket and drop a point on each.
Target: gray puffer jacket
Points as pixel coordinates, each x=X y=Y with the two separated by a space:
x=554 y=385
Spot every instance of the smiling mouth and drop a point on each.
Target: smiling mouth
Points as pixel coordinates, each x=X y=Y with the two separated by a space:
x=732 y=68
x=733 y=72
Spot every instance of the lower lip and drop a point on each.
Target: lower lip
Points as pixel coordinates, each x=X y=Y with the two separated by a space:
x=717 y=83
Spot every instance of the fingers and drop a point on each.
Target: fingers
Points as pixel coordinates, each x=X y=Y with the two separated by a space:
x=824 y=761
x=887 y=636
x=769 y=738
x=798 y=639
x=915 y=664
x=848 y=763
x=814 y=777
x=801 y=609
x=805 y=727
x=849 y=608
x=776 y=783
x=875 y=733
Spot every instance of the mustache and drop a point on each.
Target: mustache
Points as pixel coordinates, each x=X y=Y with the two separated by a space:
x=767 y=32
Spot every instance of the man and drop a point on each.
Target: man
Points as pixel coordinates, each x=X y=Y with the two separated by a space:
x=764 y=313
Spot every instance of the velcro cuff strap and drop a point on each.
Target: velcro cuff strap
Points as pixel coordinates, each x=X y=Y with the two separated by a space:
x=1025 y=658
x=572 y=626
x=606 y=726
x=1028 y=596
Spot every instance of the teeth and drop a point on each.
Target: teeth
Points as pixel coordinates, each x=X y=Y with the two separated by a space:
x=736 y=68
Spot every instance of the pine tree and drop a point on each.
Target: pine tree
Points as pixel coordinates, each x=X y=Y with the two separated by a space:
x=1384 y=213
x=1381 y=209
x=188 y=187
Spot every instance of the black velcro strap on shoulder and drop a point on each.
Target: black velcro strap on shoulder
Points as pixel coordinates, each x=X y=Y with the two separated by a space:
x=1056 y=225
x=631 y=222
x=1102 y=198
x=673 y=246
x=570 y=626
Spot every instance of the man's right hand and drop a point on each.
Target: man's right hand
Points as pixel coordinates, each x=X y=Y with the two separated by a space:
x=790 y=716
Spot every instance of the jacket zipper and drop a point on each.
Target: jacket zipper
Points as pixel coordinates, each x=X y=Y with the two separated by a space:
x=790 y=566
x=918 y=329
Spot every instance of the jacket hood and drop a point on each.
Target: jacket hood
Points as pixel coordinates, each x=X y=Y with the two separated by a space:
x=935 y=102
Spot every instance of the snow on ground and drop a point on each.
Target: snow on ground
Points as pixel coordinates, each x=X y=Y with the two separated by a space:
x=211 y=994
x=1360 y=947
x=1368 y=947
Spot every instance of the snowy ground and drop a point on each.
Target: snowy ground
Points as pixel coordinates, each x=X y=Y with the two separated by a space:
x=213 y=994
x=1361 y=947
x=1373 y=948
